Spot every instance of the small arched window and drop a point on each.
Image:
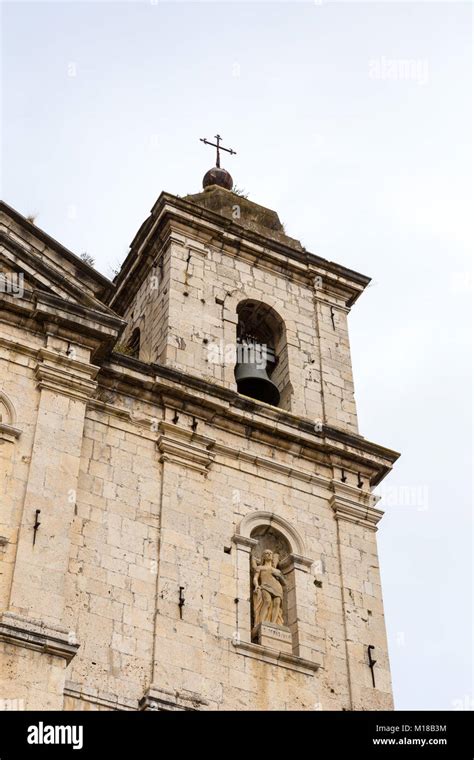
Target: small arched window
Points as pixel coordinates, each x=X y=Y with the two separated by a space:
x=134 y=344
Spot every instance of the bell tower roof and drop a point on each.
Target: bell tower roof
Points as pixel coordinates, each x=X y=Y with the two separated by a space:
x=219 y=196
x=244 y=212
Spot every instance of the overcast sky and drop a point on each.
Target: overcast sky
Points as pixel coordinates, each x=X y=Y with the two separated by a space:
x=352 y=120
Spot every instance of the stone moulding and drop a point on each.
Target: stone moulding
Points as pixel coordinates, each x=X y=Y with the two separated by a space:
x=270 y=465
x=96 y=697
x=355 y=506
x=32 y=634
x=171 y=221
x=275 y=657
x=8 y=432
x=49 y=241
x=223 y=407
x=156 y=699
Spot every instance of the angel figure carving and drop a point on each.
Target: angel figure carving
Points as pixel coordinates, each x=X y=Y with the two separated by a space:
x=268 y=584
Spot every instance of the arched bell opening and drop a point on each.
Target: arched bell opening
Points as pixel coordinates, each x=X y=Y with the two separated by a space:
x=261 y=369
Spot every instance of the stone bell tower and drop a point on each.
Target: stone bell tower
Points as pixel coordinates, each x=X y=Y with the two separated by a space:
x=207 y=530
x=267 y=518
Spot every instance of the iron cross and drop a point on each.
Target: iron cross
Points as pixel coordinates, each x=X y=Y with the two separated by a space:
x=219 y=148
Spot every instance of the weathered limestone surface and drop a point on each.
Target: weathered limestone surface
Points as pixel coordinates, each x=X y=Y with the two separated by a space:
x=153 y=476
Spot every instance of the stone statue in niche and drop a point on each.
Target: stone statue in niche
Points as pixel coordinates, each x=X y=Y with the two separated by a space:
x=268 y=588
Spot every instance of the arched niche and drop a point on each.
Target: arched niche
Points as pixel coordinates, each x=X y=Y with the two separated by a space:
x=276 y=547
x=257 y=532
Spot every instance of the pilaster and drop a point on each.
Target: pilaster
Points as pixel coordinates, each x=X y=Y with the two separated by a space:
x=42 y=557
x=361 y=591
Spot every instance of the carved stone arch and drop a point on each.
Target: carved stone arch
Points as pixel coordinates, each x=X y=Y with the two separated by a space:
x=240 y=295
x=8 y=429
x=7 y=405
x=257 y=519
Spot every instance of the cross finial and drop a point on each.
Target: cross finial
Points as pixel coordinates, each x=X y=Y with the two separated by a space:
x=219 y=147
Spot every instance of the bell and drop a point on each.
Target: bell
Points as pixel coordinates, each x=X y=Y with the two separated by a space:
x=253 y=381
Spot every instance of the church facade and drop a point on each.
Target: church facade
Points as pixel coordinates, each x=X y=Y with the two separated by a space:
x=170 y=538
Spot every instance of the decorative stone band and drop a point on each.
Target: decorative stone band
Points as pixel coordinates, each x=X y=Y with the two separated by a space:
x=355 y=506
x=65 y=376
x=185 y=447
x=275 y=657
x=162 y=699
x=32 y=634
x=223 y=408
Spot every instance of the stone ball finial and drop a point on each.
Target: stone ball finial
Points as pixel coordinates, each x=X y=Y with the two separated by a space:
x=218 y=176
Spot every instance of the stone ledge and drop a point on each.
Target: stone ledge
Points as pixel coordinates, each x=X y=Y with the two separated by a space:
x=8 y=432
x=275 y=657
x=185 y=447
x=215 y=403
x=96 y=697
x=33 y=634
x=156 y=699
x=355 y=506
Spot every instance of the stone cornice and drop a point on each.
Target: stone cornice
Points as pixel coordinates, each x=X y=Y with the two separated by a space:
x=32 y=634
x=223 y=407
x=172 y=213
x=41 y=274
x=270 y=464
x=99 y=329
x=36 y=233
x=94 y=318
x=168 y=203
x=97 y=697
